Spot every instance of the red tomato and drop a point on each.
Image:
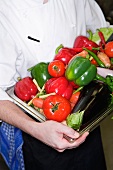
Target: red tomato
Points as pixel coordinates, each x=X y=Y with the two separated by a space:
x=56 y=68
x=38 y=102
x=109 y=49
x=94 y=62
x=56 y=108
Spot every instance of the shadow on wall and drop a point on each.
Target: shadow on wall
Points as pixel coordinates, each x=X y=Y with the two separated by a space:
x=107 y=8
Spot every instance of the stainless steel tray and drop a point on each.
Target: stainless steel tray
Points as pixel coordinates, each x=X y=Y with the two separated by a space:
x=92 y=124
x=30 y=110
x=38 y=116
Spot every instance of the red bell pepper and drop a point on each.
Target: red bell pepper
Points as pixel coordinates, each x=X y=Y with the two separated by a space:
x=60 y=86
x=25 y=89
x=64 y=54
x=75 y=86
x=82 y=41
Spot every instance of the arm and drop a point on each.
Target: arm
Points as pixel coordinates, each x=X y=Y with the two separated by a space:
x=94 y=15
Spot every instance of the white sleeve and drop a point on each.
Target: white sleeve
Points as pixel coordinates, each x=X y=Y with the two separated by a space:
x=94 y=15
x=8 y=57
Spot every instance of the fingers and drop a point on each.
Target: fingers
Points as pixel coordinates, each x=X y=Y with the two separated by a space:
x=67 y=131
x=78 y=141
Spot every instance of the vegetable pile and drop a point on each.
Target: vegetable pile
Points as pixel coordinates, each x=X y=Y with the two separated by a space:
x=55 y=89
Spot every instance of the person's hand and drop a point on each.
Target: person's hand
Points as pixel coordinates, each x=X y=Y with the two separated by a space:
x=52 y=133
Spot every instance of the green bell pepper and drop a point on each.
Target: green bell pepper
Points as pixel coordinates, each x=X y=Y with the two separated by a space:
x=81 y=71
x=40 y=73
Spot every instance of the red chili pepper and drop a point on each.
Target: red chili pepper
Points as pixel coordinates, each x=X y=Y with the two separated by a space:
x=83 y=41
x=64 y=54
x=102 y=38
x=60 y=86
x=102 y=47
x=25 y=89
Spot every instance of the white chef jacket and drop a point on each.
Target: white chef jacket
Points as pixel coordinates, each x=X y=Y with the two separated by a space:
x=53 y=23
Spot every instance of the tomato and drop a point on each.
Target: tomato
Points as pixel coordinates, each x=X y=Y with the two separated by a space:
x=38 y=102
x=56 y=68
x=56 y=108
x=109 y=49
x=94 y=62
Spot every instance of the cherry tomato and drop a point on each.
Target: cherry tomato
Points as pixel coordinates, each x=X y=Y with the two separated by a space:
x=38 y=102
x=56 y=108
x=56 y=68
x=109 y=49
x=94 y=62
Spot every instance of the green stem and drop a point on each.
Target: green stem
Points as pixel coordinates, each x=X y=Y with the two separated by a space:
x=29 y=69
x=19 y=78
x=58 y=48
x=96 y=48
x=80 y=88
x=90 y=34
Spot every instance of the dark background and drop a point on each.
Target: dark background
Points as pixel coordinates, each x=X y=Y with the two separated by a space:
x=107 y=8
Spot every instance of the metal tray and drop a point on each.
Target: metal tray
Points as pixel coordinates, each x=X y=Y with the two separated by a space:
x=30 y=110
x=91 y=125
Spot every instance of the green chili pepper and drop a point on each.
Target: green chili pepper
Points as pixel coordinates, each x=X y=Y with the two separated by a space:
x=40 y=73
x=100 y=63
x=109 y=82
x=81 y=71
x=100 y=78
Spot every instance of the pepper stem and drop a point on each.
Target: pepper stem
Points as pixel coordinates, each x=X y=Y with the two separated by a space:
x=78 y=89
x=19 y=78
x=58 y=48
x=29 y=69
x=90 y=34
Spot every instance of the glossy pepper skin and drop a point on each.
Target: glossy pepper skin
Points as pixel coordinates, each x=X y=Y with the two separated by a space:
x=60 y=86
x=81 y=71
x=83 y=41
x=40 y=73
x=64 y=54
x=25 y=89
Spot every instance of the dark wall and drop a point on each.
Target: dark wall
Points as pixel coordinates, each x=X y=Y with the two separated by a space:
x=107 y=8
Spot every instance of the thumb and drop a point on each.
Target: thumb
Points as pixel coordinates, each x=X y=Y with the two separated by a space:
x=70 y=133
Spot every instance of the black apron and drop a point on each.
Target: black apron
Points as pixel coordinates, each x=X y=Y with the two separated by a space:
x=88 y=156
